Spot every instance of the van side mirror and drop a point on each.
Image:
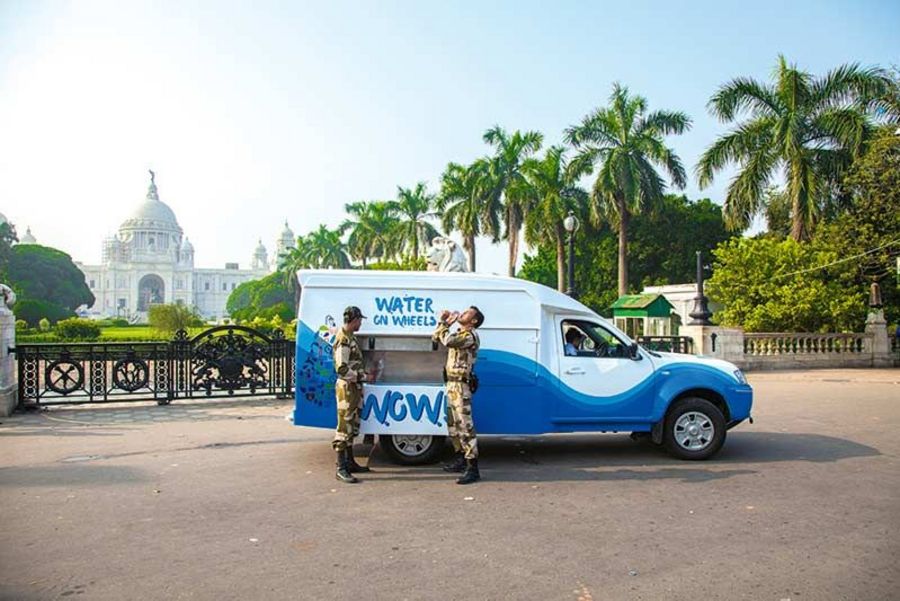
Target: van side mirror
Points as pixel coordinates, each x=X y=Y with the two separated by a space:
x=633 y=352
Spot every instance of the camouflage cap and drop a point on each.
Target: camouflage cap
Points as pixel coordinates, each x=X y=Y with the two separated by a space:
x=351 y=313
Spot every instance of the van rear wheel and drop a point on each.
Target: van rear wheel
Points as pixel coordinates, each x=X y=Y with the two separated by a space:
x=694 y=429
x=412 y=449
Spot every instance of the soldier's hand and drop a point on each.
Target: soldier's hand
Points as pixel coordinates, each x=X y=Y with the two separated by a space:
x=453 y=317
x=363 y=377
x=444 y=315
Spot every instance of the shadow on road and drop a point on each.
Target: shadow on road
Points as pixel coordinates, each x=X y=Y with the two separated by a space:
x=59 y=476
x=606 y=457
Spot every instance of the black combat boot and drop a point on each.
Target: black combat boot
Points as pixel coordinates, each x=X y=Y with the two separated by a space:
x=471 y=474
x=457 y=464
x=342 y=473
x=352 y=466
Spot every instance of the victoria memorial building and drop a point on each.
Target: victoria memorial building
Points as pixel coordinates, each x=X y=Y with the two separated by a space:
x=150 y=260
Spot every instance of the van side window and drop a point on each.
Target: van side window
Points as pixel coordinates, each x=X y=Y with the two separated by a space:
x=587 y=339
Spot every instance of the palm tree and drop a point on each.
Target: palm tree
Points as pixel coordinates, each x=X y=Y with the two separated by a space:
x=412 y=207
x=625 y=142
x=327 y=250
x=807 y=128
x=291 y=261
x=463 y=202
x=508 y=183
x=553 y=186
x=372 y=233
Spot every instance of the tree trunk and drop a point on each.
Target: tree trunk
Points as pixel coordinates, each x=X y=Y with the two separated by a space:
x=798 y=226
x=512 y=230
x=798 y=193
x=469 y=245
x=364 y=262
x=624 y=217
x=560 y=260
x=416 y=242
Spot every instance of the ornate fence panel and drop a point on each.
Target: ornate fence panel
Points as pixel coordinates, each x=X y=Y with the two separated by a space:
x=221 y=361
x=668 y=344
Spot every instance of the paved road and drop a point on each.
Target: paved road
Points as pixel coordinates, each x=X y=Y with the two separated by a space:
x=227 y=500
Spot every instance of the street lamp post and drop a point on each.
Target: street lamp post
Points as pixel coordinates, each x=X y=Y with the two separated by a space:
x=700 y=312
x=570 y=223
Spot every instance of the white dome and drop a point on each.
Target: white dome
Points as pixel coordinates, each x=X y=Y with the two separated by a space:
x=260 y=248
x=28 y=238
x=152 y=213
x=154 y=210
x=186 y=245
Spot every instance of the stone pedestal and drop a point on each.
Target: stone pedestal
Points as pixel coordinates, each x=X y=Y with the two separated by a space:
x=728 y=345
x=9 y=389
x=881 y=344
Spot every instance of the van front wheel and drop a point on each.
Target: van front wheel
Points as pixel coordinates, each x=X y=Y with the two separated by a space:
x=412 y=449
x=694 y=429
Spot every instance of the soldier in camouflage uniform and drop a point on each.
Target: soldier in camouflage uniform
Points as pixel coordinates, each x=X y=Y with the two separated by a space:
x=351 y=373
x=463 y=349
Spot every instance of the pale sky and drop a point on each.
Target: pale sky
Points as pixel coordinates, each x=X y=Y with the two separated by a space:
x=253 y=113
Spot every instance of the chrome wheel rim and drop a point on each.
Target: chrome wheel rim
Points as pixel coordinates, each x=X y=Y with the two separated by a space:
x=412 y=445
x=694 y=431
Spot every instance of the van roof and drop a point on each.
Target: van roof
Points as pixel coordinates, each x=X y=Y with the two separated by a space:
x=437 y=280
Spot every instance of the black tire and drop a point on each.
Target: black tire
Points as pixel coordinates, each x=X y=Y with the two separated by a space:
x=705 y=414
x=404 y=451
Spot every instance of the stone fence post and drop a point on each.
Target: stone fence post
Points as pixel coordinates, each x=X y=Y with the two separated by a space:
x=9 y=389
x=717 y=342
x=881 y=343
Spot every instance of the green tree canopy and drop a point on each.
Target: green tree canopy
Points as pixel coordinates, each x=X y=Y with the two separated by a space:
x=47 y=283
x=663 y=244
x=170 y=318
x=808 y=129
x=7 y=239
x=465 y=205
x=626 y=144
x=265 y=298
x=506 y=187
x=554 y=192
x=771 y=285
x=412 y=207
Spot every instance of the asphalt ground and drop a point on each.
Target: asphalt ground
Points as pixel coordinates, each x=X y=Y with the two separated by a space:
x=227 y=500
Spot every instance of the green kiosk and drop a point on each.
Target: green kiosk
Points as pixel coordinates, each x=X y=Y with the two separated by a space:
x=645 y=315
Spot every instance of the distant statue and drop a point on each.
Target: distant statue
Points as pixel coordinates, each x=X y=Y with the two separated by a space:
x=445 y=255
x=7 y=298
x=152 y=177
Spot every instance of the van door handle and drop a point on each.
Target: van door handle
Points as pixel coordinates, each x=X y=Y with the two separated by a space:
x=575 y=371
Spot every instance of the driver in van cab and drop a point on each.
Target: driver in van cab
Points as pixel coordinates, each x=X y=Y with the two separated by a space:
x=574 y=338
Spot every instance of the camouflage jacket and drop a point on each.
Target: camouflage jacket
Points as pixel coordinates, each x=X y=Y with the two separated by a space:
x=348 y=358
x=463 y=349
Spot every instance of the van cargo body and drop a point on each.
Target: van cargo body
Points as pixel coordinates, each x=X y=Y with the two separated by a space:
x=528 y=384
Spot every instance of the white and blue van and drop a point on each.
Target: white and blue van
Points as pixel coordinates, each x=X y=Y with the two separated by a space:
x=528 y=383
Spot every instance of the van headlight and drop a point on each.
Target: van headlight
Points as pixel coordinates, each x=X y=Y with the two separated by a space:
x=739 y=376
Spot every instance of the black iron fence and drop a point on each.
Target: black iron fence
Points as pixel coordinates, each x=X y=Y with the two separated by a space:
x=221 y=361
x=668 y=344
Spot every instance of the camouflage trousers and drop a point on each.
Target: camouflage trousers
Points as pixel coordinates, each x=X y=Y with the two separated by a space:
x=460 y=426
x=349 y=399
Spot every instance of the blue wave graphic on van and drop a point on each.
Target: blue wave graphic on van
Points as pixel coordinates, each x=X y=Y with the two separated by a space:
x=517 y=395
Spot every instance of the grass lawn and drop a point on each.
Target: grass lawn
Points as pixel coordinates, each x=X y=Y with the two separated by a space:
x=112 y=334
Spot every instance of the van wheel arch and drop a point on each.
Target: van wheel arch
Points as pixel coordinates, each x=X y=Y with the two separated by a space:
x=706 y=394
x=411 y=449
x=656 y=433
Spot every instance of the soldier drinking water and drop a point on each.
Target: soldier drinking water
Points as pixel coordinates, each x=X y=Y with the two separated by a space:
x=463 y=348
